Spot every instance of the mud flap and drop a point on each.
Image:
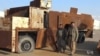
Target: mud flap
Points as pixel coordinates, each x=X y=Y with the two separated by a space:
x=40 y=37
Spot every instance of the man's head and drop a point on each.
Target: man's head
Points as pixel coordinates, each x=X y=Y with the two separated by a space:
x=73 y=23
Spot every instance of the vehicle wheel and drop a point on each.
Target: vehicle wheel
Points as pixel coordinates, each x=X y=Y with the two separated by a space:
x=26 y=44
x=81 y=37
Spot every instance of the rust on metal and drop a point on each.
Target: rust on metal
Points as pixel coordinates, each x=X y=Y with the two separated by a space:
x=73 y=10
x=5 y=39
x=83 y=21
x=18 y=11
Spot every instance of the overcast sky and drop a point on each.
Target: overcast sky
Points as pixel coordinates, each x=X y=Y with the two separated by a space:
x=84 y=6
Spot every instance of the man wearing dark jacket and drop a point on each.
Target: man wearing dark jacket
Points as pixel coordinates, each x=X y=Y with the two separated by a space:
x=60 y=39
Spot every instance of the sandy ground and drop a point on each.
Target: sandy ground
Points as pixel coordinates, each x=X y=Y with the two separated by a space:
x=82 y=49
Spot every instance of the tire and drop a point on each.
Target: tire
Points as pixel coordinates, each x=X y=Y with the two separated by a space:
x=81 y=38
x=26 y=44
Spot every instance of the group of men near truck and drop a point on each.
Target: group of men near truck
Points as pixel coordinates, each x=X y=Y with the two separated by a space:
x=67 y=36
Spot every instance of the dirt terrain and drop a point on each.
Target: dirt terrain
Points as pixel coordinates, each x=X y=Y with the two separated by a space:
x=85 y=49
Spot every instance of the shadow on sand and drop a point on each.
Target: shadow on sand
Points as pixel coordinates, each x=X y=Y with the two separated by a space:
x=82 y=49
x=4 y=51
x=87 y=46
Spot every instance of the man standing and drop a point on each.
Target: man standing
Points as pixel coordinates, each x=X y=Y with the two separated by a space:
x=60 y=39
x=72 y=37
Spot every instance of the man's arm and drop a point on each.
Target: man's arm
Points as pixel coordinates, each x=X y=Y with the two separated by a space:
x=77 y=33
